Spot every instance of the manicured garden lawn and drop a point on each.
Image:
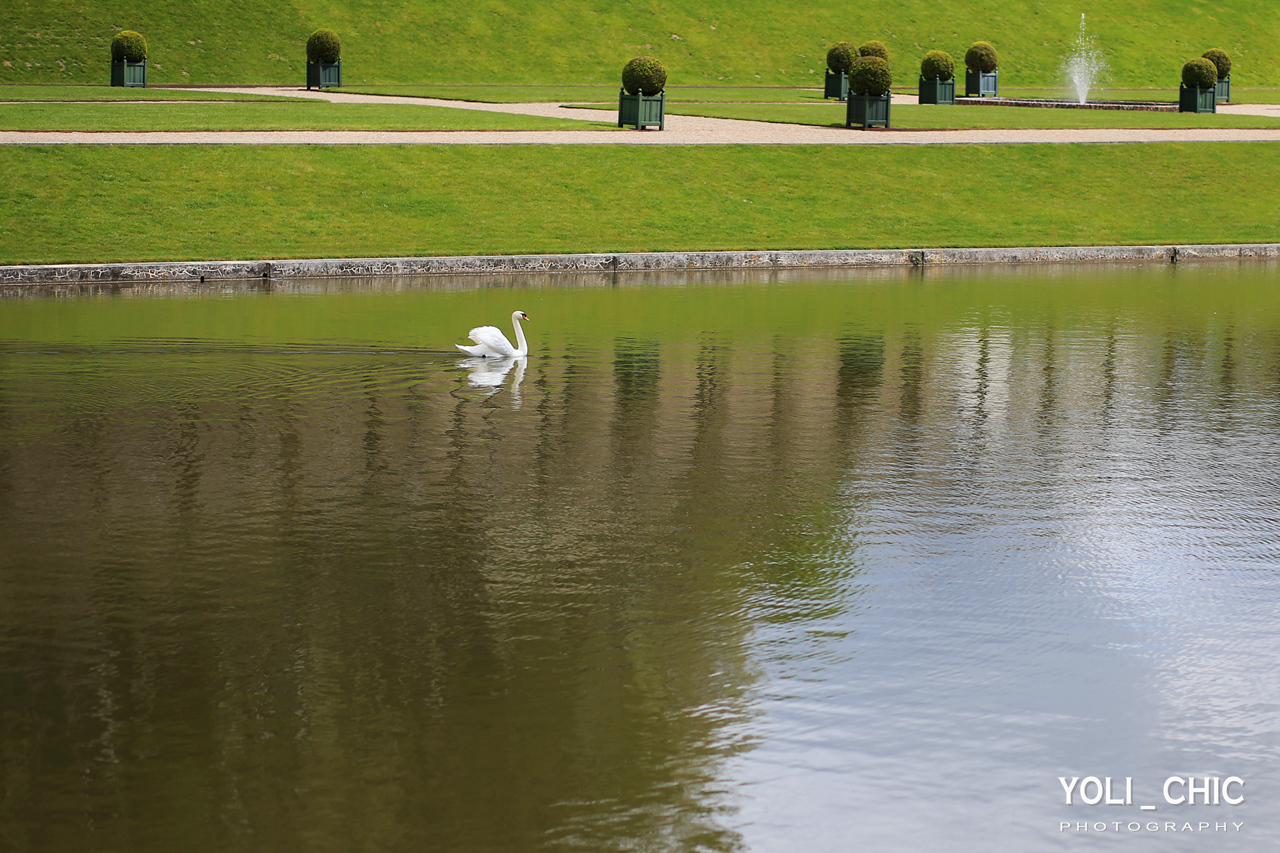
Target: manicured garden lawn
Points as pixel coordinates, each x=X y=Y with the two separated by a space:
x=1239 y=95
x=927 y=117
x=19 y=92
x=596 y=94
x=103 y=203
x=1242 y=95
x=505 y=94
x=283 y=115
x=737 y=42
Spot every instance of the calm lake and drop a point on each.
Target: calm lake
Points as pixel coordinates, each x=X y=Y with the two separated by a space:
x=739 y=562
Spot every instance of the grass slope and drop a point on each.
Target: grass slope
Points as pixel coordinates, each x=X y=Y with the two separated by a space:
x=287 y=115
x=587 y=41
x=91 y=203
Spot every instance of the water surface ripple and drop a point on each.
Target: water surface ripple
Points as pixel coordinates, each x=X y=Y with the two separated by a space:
x=755 y=564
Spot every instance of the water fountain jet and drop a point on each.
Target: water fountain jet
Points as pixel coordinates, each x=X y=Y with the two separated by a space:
x=1085 y=64
x=1083 y=67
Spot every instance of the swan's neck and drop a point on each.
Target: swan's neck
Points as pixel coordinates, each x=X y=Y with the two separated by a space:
x=521 y=345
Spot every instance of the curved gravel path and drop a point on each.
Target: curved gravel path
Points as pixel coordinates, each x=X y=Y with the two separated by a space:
x=680 y=130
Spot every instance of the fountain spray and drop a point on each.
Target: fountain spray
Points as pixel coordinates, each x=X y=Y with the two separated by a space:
x=1085 y=64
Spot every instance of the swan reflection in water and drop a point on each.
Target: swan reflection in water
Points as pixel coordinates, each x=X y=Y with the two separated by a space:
x=489 y=372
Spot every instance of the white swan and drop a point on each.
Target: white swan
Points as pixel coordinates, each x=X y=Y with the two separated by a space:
x=491 y=343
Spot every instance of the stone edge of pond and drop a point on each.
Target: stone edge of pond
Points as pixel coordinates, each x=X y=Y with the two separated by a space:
x=207 y=271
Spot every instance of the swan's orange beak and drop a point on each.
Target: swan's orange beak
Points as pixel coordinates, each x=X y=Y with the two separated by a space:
x=525 y=317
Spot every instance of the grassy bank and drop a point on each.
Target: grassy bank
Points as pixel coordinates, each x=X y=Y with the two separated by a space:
x=287 y=115
x=91 y=203
x=596 y=94
x=319 y=115
x=503 y=94
x=69 y=92
x=928 y=117
x=1144 y=42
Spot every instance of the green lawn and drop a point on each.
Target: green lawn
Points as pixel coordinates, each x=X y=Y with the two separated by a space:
x=506 y=94
x=284 y=115
x=101 y=203
x=595 y=94
x=740 y=42
x=20 y=92
x=1239 y=95
x=926 y=117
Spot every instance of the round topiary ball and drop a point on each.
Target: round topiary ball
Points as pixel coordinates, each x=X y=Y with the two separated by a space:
x=841 y=57
x=1199 y=73
x=1221 y=60
x=128 y=46
x=937 y=64
x=874 y=48
x=324 y=46
x=982 y=57
x=870 y=75
x=644 y=75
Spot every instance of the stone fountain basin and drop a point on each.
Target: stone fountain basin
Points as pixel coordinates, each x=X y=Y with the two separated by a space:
x=1065 y=104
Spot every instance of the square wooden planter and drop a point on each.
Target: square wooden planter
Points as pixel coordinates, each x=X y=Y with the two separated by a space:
x=324 y=75
x=867 y=110
x=978 y=84
x=937 y=91
x=126 y=73
x=1223 y=90
x=836 y=86
x=641 y=110
x=1193 y=99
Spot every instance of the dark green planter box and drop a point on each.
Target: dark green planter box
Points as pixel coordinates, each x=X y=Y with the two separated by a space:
x=642 y=110
x=1223 y=90
x=978 y=84
x=324 y=75
x=1196 y=100
x=836 y=86
x=937 y=91
x=867 y=110
x=126 y=73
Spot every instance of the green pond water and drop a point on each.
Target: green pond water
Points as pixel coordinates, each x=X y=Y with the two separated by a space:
x=731 y=562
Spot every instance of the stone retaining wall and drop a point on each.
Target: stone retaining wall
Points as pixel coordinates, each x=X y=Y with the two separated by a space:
x=208 y=271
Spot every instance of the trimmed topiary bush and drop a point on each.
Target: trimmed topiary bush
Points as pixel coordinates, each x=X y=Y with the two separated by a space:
x=128 y=46
x=644 y=75
x=874 y=48
x=840 y=57
x=982 y=57
x=1220 y=60
x=937 y=64
x=870 y=75
x=1199 y=73
x=324 y=46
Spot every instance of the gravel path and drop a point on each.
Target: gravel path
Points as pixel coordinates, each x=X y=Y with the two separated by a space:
x=680 y=130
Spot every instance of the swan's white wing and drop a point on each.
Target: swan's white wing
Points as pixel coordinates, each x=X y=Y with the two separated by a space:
x=491 y=341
